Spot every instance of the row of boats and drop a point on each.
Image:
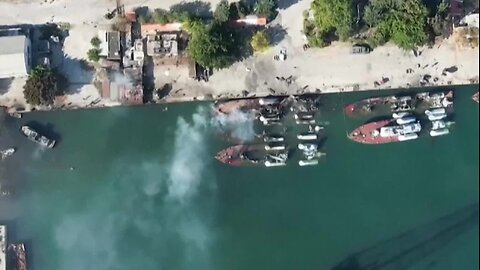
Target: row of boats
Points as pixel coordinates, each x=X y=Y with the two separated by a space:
x=403 y=125
x=12 y=256
x=273 y=149
x=32 y=135
x=405 y=116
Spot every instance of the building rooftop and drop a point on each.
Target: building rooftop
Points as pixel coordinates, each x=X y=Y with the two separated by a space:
x=110 y=44
x=12 y=44
x=154 y=28
x=13 y=61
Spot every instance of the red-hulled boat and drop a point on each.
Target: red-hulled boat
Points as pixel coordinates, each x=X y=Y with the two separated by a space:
x=385 y=131
x=389 y=104
x=475 y=97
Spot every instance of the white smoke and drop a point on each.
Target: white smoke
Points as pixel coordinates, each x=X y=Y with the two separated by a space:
x=121 y=79
x=187 y=164
x=149 y=200
x=240 y=125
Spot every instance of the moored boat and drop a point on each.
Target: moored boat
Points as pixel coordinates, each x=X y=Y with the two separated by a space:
x=436 y=114
x=279 y=147
x=307 y=136
x=32 y=135
x=440 y=127
x=399 y=104
x=308 y=162
x=475 y=97
x=406 y=120
x=273 y=138
x=385 y=131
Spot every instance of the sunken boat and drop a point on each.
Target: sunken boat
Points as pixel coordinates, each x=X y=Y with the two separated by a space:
x=386 y=105
x=253 y=155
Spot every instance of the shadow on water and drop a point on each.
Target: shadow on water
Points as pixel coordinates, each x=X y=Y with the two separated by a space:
x=407 y=249
x=48 y=130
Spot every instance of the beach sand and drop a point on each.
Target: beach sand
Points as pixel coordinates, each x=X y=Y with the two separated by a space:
x=327 y=70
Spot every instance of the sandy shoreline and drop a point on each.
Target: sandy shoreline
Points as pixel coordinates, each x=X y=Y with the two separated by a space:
x=328 y=70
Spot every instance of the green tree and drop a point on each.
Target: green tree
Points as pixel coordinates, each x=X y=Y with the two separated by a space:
x=93 y=54
x=333 y=17
x=266 y=8
x=260 y=41
x=243 y=9
x=41 y=86
x=95 y=41
x=212 y=45
x=222 y=12
x=401 y=21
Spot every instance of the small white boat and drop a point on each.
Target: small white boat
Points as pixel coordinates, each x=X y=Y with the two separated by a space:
x=406 y=120
x=307 y=136
x=7 y=152
x=407 y=137
x=436 y=111
x=308 y=162
x=273 y=139
x=305 y=121
x=267 y=119
x=275 y=147
x=274 y=163
x=307 y=146
x=303 y=116
x=269 y=101
x=439 y=132
x=400 y=115
x=436 y=117
x=15 y=114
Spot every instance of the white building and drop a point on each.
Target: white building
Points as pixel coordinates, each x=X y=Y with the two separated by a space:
x=15 y=56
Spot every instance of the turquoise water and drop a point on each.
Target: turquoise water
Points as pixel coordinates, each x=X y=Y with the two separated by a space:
x=146 y=193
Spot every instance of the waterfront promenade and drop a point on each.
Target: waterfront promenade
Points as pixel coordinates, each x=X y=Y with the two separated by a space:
x=326 y=70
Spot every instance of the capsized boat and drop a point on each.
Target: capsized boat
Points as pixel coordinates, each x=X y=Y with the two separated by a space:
x=31 y=134
x=18 y=252
x=398 y=104
x=385 y=131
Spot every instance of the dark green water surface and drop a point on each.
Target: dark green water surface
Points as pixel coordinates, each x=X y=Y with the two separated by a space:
x=146 y=193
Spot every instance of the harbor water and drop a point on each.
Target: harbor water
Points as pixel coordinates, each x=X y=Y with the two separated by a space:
x=139 y=188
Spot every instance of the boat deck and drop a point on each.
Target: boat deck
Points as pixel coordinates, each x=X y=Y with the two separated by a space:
x=364 y=134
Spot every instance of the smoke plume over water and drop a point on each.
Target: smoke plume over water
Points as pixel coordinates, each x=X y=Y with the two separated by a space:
x=156 y=203
x=240 y=125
